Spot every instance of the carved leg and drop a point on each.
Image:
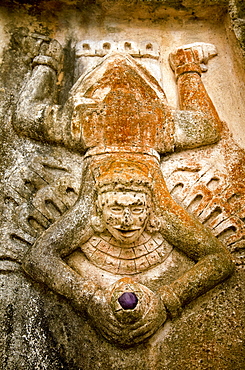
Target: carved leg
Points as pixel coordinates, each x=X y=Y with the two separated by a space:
x=188 y=62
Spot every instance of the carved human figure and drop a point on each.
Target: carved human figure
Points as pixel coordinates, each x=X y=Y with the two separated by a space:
x=125 y=225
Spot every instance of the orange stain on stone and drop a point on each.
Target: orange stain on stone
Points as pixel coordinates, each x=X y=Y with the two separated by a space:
x=129 y=112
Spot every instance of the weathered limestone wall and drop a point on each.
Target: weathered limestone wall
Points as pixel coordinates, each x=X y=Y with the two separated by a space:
x=168 y=26
x=41 y=329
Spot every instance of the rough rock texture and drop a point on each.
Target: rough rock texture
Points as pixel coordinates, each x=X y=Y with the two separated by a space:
x=41 y=176
x=237 y=16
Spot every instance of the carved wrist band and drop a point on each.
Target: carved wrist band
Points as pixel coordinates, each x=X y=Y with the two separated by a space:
x=45 y=60
x=170 y=300
x=188 y=67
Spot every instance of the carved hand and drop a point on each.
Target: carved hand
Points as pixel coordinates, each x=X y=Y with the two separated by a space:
x=191 y=58
x=129 y=326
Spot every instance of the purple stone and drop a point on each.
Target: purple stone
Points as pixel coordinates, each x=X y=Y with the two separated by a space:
x=128 y=300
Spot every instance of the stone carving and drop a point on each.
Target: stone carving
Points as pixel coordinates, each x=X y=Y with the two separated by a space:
x=37 y=195
x=205 y=192
x=89 y=48
x=129 y=240
x=126 y=253
x=88 y=54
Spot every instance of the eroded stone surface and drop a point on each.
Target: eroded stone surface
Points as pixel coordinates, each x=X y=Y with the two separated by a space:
x=43 y=185
x=119 y=114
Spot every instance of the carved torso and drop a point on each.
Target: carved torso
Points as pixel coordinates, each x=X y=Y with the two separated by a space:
x=121 y=106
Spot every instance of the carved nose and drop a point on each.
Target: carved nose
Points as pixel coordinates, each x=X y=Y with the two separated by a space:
x=127 y=219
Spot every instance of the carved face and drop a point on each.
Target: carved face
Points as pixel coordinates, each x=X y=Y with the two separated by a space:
x=125 y=214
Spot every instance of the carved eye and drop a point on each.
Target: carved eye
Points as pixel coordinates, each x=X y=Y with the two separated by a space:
x=116 y=209
x=137 y=210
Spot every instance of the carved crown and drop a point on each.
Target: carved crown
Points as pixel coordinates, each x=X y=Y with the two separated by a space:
x=122 y=172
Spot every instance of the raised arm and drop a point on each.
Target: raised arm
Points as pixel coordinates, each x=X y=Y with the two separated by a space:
x=197 y=123
x=187 y=234
x=43 y=261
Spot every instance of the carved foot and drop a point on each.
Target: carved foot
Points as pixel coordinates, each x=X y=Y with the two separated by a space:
x=37 y=47
x=50 y=54
x=191 y=58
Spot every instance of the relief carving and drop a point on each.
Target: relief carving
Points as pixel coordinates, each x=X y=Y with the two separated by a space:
x=125 y=253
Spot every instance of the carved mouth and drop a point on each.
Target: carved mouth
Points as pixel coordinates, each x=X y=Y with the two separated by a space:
x=127 y=233
x=121 y=228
